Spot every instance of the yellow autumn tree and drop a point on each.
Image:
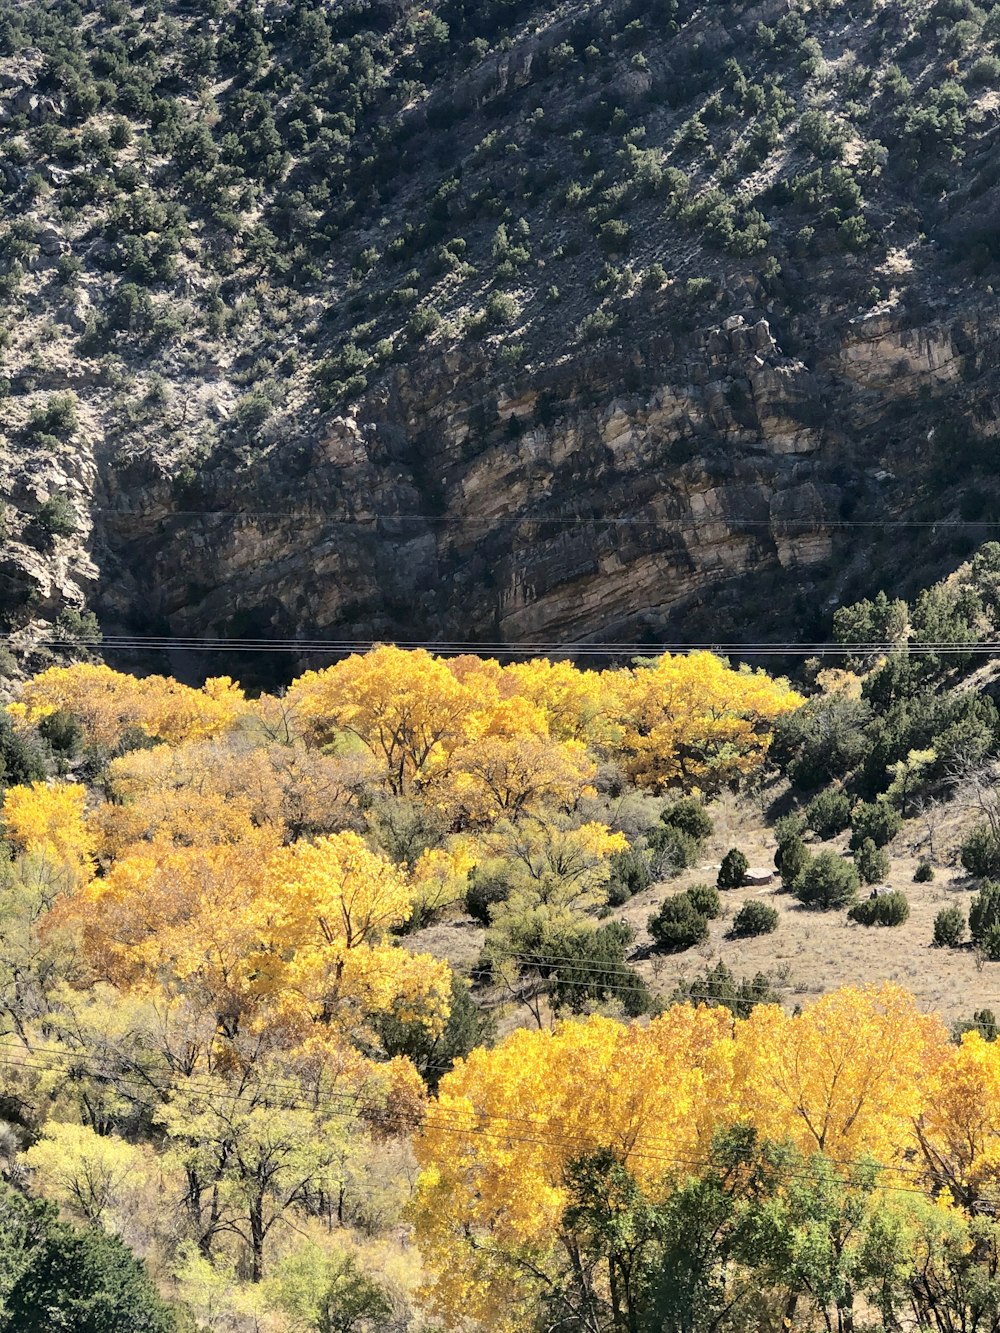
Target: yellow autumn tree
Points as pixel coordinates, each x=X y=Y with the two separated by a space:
x=407 y=708
x=495 y=1148
x=574 y=702
x=107 y=703
x=846 y=1077
x=957 y=1127
x=49 y=820
x=293 y=941
x=691 y=721
x=509 y=765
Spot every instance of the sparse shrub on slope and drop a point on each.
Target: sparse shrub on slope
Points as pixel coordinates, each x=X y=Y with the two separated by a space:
x=872 y=862
x=678 y=924
x=949 y=928
x=828 y=813
x=732 y=870
x=887 y=909
x=827 y=882
x=754 y=918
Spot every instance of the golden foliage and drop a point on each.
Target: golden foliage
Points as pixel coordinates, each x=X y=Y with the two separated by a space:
x=48 y=820
x=848 y=1077
x=691 y=721
x=107 y=703
x=531 y=1105
x=291 y=940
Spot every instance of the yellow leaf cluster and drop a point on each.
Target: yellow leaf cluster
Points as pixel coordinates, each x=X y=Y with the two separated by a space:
x=852 y=1077
x=107 y=703
x=531 y=1105
x=692 y=721
x=49 y=820
x=489 y=742
x=291 y=940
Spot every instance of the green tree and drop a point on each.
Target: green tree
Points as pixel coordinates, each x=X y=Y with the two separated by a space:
x=734 y=866
x=718 y=986
x=678 y=924
x=53 y=1276
x=791 y=859
x=984 y=917
x=877 y=820
x=949 y=928
x=754 y=918
x=434 y=1054
x=872 y=862
x=705 y=899
x=828 y=813
x=827 y=882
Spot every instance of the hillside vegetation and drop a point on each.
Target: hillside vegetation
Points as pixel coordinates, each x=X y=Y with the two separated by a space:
x=223 y=226
x=240 y=1042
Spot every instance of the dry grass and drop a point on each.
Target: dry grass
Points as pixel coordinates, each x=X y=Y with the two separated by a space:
x=810 y=952
x=814 y=952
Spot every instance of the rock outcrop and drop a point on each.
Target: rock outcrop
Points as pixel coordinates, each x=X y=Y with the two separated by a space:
x=557 y=506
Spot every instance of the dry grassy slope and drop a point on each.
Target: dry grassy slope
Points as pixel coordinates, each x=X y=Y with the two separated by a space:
x=222 y=229
x=811 y=952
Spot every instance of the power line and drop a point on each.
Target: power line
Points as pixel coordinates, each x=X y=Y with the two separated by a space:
x=449 y=1122
x=469 y=520
x=446 y=648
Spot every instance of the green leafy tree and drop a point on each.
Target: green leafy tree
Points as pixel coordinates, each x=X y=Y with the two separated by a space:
x=53 y=1276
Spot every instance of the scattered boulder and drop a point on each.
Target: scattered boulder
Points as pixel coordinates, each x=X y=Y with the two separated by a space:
x=756 y=876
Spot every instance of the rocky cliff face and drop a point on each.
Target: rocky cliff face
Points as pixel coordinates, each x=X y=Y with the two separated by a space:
x=553 y=506
x=500 y=322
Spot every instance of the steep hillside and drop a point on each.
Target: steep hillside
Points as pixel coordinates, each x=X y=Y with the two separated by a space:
x=492 y=321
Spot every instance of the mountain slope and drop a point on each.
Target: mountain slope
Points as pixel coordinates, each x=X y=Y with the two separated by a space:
x=493 y=321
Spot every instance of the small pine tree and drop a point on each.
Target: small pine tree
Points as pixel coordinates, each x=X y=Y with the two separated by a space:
x=924 y=872
x=877 y=820
x=984 y=912
x=791 y=859
x=754 y=918
x=827 y=882
x=678 y=925
x=734 y=866
x=949 y=928
x=888 y=909
x=828 y=813
x=872 y=862
x=705 y=899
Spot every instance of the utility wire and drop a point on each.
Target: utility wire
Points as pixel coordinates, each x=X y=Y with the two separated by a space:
x=448 y=1122
x=468 y=520
x=165 y=643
